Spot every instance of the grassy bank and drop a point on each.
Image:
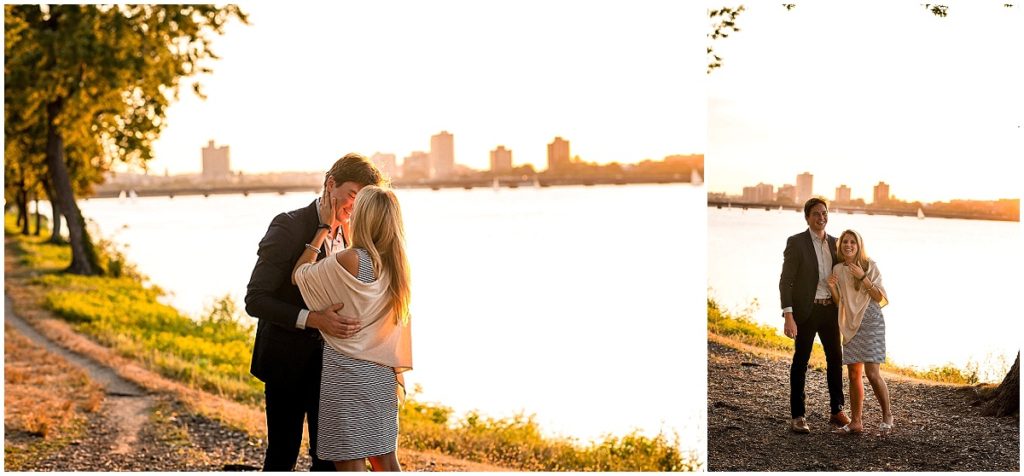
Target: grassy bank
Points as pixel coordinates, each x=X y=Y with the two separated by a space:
x=120 y=312
x=742 y=328
x=213 y=354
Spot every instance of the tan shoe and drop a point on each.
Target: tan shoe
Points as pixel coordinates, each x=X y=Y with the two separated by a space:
x=799 y=425
x=846 y=430
x=839 y=419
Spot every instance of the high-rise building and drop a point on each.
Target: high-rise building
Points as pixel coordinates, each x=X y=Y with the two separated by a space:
x=442 y=155
x=842 y=194
x=416 y=166
x=558 y=154
x=501 y=160
x=804 y=187
x=786 y=194
x=760 y=193
x=750 y=194
x=386 y=164
x=881 y=195
x=215 y=161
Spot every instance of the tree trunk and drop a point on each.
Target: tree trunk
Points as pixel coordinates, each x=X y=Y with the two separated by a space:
x=23 y=208
x=39 y=220
x=55 y=237
x=83 y=254
x=1006 y=401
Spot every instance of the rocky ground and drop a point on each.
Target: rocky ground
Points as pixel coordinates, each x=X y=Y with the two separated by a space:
x=175 y=440
x=938 y=427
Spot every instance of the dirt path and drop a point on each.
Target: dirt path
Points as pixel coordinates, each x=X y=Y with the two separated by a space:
x=126 y=405
x=937 y=428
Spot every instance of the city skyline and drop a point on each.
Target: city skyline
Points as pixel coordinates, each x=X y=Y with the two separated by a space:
x=437 y=162
x=447 y=66
x=763 y=191
x=934 y=108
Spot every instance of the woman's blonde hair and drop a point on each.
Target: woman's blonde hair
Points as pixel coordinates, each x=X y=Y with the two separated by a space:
x=377 y=227
x=862 y=256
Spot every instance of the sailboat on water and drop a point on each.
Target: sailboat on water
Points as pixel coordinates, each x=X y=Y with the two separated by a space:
x=920 y=213
x=695 y=178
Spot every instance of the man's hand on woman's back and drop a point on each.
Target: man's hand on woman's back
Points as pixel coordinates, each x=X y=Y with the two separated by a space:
x=333 y=324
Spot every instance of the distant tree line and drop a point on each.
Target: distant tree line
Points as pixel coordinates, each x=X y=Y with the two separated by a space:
x=672 y=165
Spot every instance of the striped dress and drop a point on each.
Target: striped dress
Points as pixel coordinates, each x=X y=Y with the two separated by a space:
x=868 y=345
x=358 y=400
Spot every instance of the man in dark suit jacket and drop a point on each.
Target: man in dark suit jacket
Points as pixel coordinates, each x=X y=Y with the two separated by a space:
x=287 y=355
x=808 y=309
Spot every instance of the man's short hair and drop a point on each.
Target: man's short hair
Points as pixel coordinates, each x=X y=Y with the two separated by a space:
x=811 y=203
x=354 y=168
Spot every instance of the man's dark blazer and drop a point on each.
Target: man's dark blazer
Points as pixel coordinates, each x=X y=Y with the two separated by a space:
x=799 y=278
x=281 y=349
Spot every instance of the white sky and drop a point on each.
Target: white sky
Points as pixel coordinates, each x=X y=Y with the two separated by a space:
x=877 y=91
x=301 y=86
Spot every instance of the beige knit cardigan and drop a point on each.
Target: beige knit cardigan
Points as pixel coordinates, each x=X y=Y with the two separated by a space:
x=381 y=338
x=853 y=303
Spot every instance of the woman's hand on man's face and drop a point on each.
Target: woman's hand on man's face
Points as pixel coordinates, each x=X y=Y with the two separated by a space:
x=328 y=207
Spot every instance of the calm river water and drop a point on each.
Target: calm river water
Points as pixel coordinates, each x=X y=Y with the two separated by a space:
x=952 y=297
x=583 y=305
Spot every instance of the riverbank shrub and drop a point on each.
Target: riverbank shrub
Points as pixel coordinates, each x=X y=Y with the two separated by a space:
x=517 y=443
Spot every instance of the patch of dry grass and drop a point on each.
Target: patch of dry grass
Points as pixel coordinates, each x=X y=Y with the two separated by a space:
x=46 y=400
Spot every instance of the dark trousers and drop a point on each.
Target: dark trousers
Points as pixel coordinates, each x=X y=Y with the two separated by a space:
x=288 y=404
x=823 y=322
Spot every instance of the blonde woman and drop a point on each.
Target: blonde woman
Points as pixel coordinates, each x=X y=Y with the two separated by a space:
x=361 y=377
x=858 y=284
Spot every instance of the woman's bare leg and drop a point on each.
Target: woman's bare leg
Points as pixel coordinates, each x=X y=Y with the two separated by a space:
x=881 y=390
x=385 y=462
x=856 y=372
x=351 y=465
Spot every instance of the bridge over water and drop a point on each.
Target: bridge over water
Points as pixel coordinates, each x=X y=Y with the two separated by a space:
x=724 y=203
x=112 y=191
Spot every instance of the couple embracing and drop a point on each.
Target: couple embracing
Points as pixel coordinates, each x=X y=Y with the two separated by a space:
x=331 y=291
x=830 y=288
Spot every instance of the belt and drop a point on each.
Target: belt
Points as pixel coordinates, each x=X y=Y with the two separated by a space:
x=824 y=302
